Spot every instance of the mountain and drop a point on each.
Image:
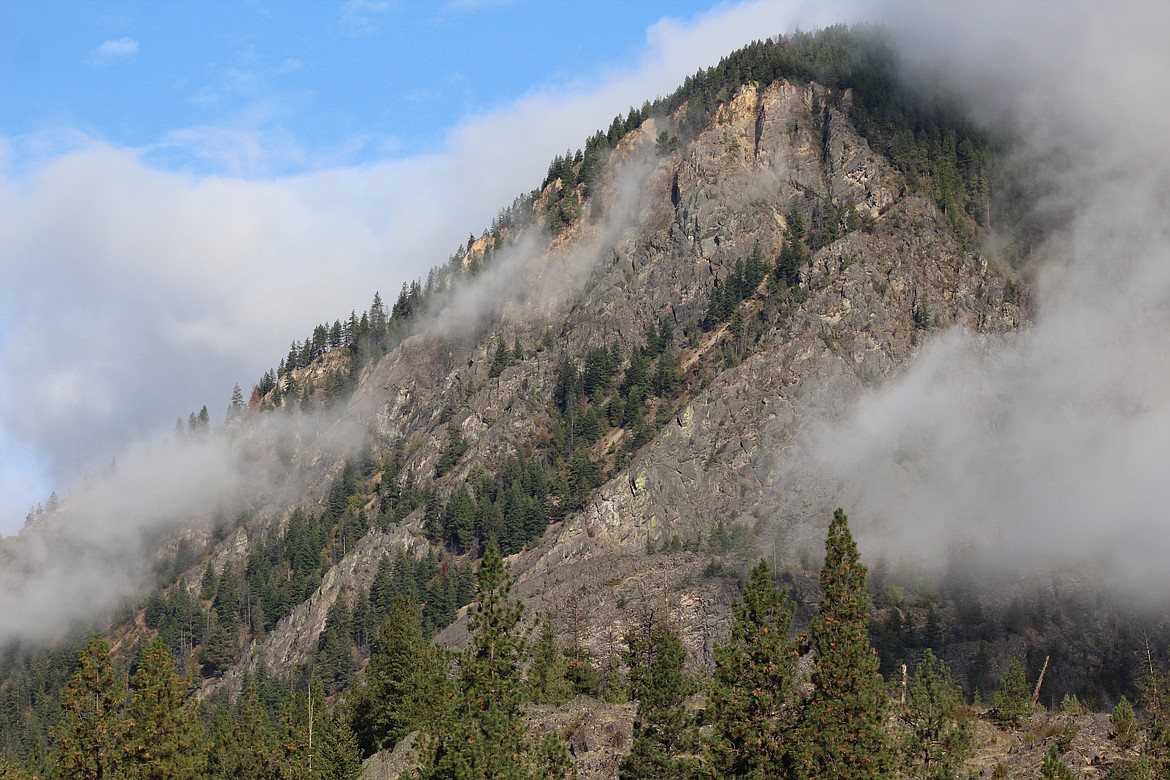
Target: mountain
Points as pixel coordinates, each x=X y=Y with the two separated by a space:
x=622 y=382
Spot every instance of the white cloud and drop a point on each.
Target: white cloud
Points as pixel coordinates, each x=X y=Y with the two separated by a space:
x=363 y=17
x=115 y=49
x=133 y=295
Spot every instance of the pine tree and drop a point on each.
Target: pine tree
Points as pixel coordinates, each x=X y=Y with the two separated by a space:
x=753 y=686
x=243 y=743
x=486 y=736
x=340 y=758
x=934 y=743
x=546 y=675
x=841 y=731
x=236 y=407
x=1013 y=700
x=164 y=737
x=665 y=736
x=90 y=731
x=406 y=684
x=1124 y=723
x=303 y=723
x=1053 y=768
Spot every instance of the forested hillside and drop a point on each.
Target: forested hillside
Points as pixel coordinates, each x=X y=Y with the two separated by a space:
x=567 y=477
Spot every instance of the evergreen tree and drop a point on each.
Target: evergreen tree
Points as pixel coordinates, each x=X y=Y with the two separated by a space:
x=933 y=742
x=340 y=758
x=841 y=731
x=303 y=723
x=665 y=736
x=243 y=743
x=406 y=684
x=164 y=737
x=486 y=737
x=1013 y=700
x=1053 y=768
x=90 y=732
x=236 y=407
x=546 y=675
x=1124 y=724
x=753 y=686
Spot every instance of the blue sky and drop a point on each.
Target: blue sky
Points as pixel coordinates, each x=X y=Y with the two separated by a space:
x=322 y=84
x=186 y=187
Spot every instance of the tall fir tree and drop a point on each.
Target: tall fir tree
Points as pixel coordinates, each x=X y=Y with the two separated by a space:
x=406 y=685
x=753 y=689
x=164 y=736
x=486 y=736
x=665 y=734
x=243 y=743
x=841 y=730
x=90 y=732
x=547 y=673
x=934 y=741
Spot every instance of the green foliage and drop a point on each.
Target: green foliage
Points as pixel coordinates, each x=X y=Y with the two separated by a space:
x=547 y=675
x=485 y=734
x=841 y=729
x=934 y=739
x=751 y=698
x=1141 y=769
x=243 y=742
x=405 y=685
x=665 y=735
x=1053 y=768
x=739 y=286
x=164 y=737
x=1013 y=700
x=89 y=735
x=1124 y=723
x=455 y=449
x=334 y=660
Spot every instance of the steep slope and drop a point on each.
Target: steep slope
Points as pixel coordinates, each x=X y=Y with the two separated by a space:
x=678 y=222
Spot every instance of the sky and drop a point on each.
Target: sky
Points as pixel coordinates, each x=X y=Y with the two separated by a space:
x=187 y=187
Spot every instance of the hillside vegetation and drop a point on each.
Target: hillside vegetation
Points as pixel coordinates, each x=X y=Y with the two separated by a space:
x=781 y=232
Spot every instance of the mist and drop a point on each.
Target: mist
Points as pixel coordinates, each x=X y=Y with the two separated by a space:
x=1047 y=450
x=131 y=295
x=99 y=549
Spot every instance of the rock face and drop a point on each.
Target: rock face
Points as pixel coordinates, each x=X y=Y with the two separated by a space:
x=673 y=227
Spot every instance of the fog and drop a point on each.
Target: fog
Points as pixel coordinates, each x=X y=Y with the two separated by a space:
x=1050 y=449
x=132 y=295
x=99 y=548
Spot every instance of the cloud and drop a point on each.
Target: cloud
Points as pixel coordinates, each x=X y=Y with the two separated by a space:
x=363 y=17
x=1047 y=449
x=114 y=49
x=132 y=294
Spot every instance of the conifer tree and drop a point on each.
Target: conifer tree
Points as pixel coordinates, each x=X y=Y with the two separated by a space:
x=665 y=736
x=303 y=724
x=164 y=737
x=1053 y=768
x=546 y=675
x=1013 y=700
x=340 y=757
x=243 y=743
x=406 y=685
x=485 y=736
x=841 y=731
x=90 y=731
x=1124 y=723
x=934 y=744
x=753 y=686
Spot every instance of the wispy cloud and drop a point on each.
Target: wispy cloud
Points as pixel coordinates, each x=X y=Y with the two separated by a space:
x=114 y=49
x=160 y=290
x=363 y=17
